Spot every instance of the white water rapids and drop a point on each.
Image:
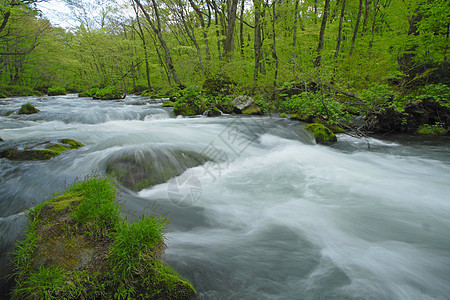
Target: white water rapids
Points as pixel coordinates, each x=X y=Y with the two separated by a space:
x=273 y=216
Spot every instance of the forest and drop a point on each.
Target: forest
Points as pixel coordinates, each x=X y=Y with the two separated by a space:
x=328 y=59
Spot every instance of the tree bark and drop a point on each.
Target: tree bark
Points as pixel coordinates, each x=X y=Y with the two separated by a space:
x=228 y=44
x=355 y=33
x=341 y=20
x=257 y=45
x=157 y=30
x=322 y=33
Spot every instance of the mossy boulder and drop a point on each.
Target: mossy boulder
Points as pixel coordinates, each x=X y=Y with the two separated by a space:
x=322 y=134
x=70 y=255
x=1 y=140
x=56 y=91
x=253 y=110
x=28 y=109
x=241 y=103
x=138 y=171
x=168 y=103
x=41 y=151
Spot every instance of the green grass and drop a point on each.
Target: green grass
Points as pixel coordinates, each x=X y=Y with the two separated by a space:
x=127 y=263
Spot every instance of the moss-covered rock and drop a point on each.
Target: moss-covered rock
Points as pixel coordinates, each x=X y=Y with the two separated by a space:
x=253 y=110
x=168 y=103
x=283 y=115
x=28 y=109
x=41 y=151
x=241 y=103
x=154 y=167
x=434 y=130
x=1 y=140
x=68 y=256
x=322 y=134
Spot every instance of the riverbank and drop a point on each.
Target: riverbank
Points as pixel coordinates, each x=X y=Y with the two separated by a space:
x=76 y=247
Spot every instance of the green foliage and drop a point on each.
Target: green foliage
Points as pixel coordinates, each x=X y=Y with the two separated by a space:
x=55 y=91
x=89 y=93
x=218 y=85
x=307 y=106
x=191 y=102
x=376 y=96
x=283 y=115
x=108 y=93
x=436 y=129
x=438 y=92
x=28 y=109
x=98 y=211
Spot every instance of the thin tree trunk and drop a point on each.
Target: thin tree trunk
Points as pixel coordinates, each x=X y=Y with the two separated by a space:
x=366 y=16
x=241 y=29
x=341 y=20
x=274 y=48
x=190 y=33
x=257 y=40
x=157 y=30
x=322 y=33
x=202 y=24
x=355 y=33
x=144 y=45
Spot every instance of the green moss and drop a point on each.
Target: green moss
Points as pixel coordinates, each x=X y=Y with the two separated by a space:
x=88 y=93
x=283 y=115
x=322 y=134
x=168 y=104
x=72 y=143
x=253 y=110
x=28 y=109
x=62 y=258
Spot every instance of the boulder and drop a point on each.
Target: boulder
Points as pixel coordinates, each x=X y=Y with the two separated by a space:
x=139 y=171
x=253 y=110
x=322 y=134
x=40 y=151
x=241 y=103
x=28 y=109
x=1 y=140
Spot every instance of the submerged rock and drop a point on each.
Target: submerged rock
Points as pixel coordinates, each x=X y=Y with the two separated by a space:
x=28 y=109
x=1 y=140
x=322 y=134
x=40 y=151
x=153 y=167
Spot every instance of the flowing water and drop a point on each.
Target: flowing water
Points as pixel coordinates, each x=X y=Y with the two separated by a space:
x=271 y=216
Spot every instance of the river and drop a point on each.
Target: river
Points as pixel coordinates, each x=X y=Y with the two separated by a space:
x=272 y=216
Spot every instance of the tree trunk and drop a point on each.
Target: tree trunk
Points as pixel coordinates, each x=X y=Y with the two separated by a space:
x=257 y=40
x=322 y=33
x=228 y=44
x=355 y=33
x=144 y=45
x=341 y=20
x=203 y=25
x=157 y=30
x=274 y=48
x=241 y=29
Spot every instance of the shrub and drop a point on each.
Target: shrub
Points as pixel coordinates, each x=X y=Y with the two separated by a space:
x=88 y=93
x=436 y=129
x=108 y=93
x=55 y=91
x=438 y=92
x=191 y=102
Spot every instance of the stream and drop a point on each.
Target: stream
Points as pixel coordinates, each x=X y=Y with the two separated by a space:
x=271 y=216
